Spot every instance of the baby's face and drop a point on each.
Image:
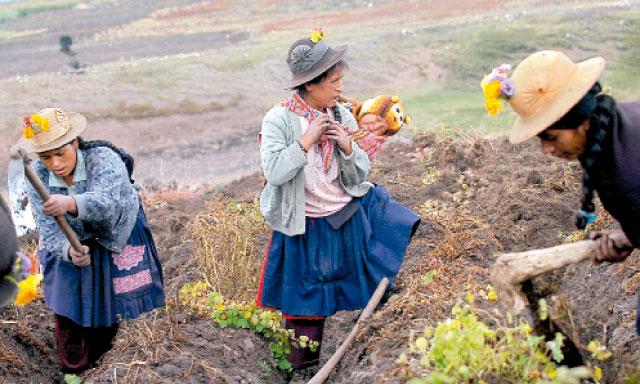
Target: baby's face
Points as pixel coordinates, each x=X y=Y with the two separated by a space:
x=374 y=124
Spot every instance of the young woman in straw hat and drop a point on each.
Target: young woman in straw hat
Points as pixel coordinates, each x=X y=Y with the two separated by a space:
x=335 y=235
x=117 y=275
x=561 y=103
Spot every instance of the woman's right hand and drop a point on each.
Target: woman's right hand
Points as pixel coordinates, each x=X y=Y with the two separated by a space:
x=315 y=131
x=607 y=249
x=58 y=205
x=80 y=258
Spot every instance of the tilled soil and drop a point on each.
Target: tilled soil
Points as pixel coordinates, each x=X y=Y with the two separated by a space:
x=477 y=196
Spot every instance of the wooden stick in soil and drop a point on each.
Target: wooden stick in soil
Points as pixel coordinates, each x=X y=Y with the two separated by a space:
x=325 y=371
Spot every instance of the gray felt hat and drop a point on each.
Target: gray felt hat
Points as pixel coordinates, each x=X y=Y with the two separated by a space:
x=308 y=60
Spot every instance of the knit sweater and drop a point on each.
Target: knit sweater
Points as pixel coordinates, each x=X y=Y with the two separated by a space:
x=107 y=203
x=282 y=160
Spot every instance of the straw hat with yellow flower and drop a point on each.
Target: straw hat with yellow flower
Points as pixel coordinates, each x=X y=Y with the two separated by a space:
x=49 y=129
x=547 y=85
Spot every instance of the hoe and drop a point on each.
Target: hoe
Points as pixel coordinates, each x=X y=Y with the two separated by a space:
x=510 y=270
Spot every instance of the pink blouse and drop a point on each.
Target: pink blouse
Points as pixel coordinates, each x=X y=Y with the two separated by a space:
x=323 y=193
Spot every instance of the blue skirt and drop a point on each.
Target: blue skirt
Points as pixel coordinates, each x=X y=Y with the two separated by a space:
x=326 y=270
x=115 y=287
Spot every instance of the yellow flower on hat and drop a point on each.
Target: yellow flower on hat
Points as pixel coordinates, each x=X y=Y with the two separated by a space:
x=317 y=35
x=495 y=86
x=493 y=107
x=28 y=132
x=491 y=89
x=28 y=289
x=41 y=125
x=42 y=122
x=491 y=92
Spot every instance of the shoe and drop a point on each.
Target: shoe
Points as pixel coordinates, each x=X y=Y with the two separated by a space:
x=303 y=375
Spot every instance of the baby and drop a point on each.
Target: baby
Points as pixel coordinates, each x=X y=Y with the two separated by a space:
x=378 y=119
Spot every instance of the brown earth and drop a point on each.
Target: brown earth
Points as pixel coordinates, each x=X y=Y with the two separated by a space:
x=483 y=195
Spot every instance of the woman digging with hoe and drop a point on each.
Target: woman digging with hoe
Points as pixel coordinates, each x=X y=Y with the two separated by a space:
x=562 y=104
x=117 y=274
x=335 y=235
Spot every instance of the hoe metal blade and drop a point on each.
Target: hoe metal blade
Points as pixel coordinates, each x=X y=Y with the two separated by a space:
x=18 y=201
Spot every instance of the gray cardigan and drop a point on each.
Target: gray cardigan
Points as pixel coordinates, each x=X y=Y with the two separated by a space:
x=283 y=161
x=107 y=203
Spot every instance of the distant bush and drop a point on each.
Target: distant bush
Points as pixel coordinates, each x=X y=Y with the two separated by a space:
x=65 y=44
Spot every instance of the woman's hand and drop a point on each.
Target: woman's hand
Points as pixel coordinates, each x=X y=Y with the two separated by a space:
x=58 y=205
x=80 y=259
x=315 y=131
x=607 y=249
x=336 y=132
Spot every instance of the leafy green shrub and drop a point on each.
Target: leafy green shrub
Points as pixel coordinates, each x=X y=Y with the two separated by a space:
x=65 y=43
x=245 y=315
x=463 y=349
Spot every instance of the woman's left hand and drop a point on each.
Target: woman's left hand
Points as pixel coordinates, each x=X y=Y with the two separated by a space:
x=337 y=133
x=58 y=205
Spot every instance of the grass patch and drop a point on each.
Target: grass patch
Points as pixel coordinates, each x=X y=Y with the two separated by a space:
x=8 y=35
x=433 y=109
x=157 y=75
x=245 y=59
x=124 y=110
x=623 y=76
x=469 y=50
x=24 y=9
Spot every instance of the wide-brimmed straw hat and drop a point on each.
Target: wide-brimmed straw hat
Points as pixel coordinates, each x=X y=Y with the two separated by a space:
x=308 y=60
x=50 y=128
x=547 y=85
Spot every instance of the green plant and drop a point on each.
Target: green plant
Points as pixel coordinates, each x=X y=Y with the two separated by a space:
x=463 y=349
x=266 y=369
x=249 y=316
x=72 y=379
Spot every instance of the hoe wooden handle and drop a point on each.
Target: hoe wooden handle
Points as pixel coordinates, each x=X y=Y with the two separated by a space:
x=510 y=270
x=326 y=370
x=30 y=173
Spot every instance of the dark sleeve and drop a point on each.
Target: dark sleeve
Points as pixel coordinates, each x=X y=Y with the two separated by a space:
x=8 y=240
